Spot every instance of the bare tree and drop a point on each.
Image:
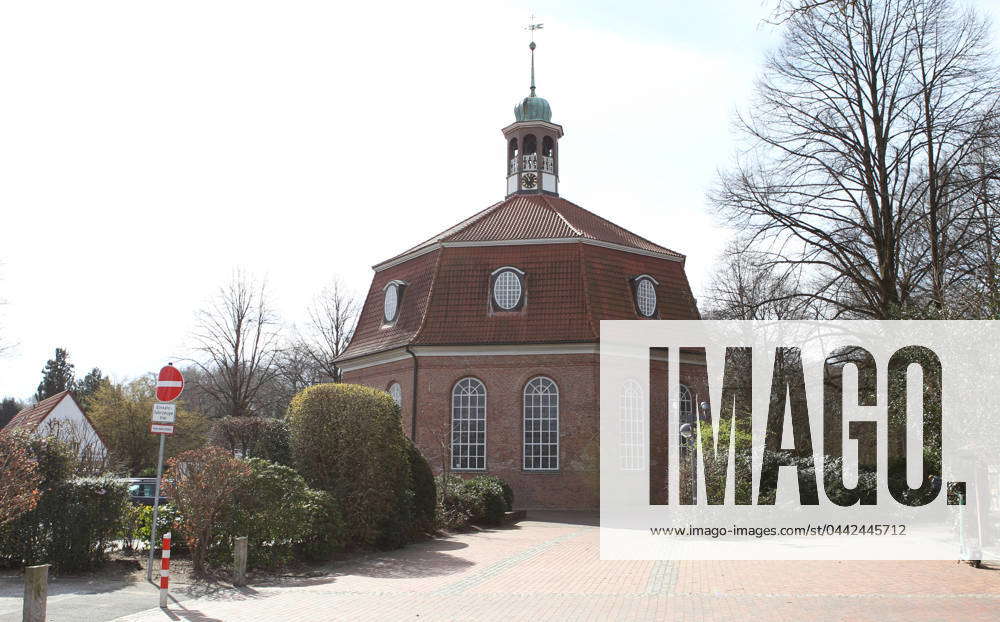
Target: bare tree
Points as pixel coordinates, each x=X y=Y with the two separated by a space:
x=332 y=317
x=5 y=344
x=957 y=112
x=750 y=285
x=852 y=124
x=237 y=346
x=785 y=10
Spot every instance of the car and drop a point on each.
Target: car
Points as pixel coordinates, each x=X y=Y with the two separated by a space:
x=141 y=490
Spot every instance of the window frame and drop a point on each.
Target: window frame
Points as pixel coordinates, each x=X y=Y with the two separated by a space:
x=495 y=276
x=631 y=433
x=467 y=444
x=399 y=388
x=400 y=287
x=653 y=283
x=684 y=394
x=524 y=428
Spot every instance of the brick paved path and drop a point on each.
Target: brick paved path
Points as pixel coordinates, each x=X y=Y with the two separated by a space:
x=548 y=569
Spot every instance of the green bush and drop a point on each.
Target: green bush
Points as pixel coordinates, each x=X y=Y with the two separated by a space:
x=275 y=510
x=55 y=459
x=493 y=502
x=326 y=528
x=72 y=527
x=483 y=499
x=457 y=505
x=508 y=492
x=424 y=493
x=131 y=531
x=348 y=441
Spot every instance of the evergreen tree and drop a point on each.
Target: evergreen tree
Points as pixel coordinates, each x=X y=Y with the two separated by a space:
x=8 y=408
x=86 y=386
x=56 y=376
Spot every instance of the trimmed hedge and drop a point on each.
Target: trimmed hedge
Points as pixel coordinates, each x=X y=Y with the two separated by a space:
x=279 y=515
x=348 y=441
x=72 y=527
x=492 y=500
x=484 y=499
x=423 y=519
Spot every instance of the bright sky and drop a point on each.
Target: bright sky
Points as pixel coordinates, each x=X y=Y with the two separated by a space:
x=148 y=149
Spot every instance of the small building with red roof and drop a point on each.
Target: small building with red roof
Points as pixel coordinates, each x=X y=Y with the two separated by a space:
x=487 y=334
x=61 y=416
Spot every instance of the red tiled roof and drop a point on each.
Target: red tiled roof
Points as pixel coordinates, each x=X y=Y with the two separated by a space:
x=30 y=418
x=568 y=287
x=536 y=217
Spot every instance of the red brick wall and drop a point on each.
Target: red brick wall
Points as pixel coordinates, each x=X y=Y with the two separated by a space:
x=576 y=484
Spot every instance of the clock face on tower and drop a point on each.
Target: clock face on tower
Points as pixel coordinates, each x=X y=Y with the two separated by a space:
x=529 y=181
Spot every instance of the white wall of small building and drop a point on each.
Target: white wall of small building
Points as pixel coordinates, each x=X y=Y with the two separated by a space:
x=70 y=424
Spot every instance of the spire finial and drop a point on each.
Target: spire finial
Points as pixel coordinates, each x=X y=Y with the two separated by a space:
x=532 y=27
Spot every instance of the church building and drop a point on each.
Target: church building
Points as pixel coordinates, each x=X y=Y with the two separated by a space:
x=487 y=334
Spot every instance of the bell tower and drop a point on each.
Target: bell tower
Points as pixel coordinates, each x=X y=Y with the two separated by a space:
x=532 y=142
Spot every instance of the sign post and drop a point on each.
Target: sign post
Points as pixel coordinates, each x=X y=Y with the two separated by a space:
x=169 y=385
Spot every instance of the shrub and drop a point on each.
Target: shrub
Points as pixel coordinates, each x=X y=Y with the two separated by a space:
x=492 y=503
x=274 y=509
x=55 y=459
x=72 y=527
x=508 y=492
x=201 y=484
x=137 y=521
x=326 y=528
x=457 y=505
x=424 y=493
x=347 y=440
x=19 y=484
x=133 y=522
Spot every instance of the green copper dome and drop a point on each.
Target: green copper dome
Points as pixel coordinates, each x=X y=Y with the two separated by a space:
x=533 y=108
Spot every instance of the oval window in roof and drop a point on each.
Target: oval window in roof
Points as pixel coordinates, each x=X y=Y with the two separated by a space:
x=645 y=296
x=390 y=305
x=507 y=290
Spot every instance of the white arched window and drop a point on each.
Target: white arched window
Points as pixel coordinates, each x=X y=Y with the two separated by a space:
x=686 y=405
x=541 y=425
x=631 y=424
x=468 y=425
x=396 y=392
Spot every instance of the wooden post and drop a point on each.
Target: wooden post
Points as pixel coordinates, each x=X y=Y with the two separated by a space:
x=36 y=593
x=240 y=562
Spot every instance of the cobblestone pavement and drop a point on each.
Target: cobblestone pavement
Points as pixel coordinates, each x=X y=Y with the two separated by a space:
x=548 y=569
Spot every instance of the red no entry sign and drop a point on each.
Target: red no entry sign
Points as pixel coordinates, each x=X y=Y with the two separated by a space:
x=169 y=384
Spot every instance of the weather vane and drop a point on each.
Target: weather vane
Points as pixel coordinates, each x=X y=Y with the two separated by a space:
x=531 y=28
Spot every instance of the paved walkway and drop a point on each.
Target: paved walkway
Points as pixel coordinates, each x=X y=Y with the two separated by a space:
x=548 y=569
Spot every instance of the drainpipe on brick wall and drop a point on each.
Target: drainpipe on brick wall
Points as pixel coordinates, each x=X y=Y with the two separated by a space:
x=413 y=407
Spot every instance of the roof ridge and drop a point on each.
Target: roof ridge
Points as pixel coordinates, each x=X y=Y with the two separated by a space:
x=461 y=225
x=427 y=303
x=628 y=231
x=548 y=204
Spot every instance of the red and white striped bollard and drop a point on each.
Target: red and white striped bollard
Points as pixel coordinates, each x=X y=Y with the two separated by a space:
x=165 y=570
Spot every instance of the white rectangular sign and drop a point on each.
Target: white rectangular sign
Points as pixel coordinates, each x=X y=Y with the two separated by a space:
x=793 y=440
x=164 y=413
x=159 y=428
